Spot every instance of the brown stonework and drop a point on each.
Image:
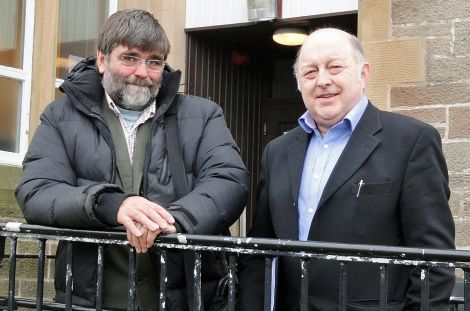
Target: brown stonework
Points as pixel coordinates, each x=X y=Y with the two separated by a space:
x=431 y=116
x=456 y=155
x=422 y=30
x=459 y=123
x=466 y=205
x=442 y=131
x=462 y=232
x=440 y=47
x=459 y=181
x=455 y=206
x=447 y=69
x=373 y=19
x=406 y=11
x=9 y=206
x=462 y=38
x=438 y=94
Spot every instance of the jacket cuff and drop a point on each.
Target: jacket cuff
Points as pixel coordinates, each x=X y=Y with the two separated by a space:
x=107 y=206
x=178 y=227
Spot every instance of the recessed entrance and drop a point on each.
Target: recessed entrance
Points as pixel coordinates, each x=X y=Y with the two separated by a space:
x=250 y=76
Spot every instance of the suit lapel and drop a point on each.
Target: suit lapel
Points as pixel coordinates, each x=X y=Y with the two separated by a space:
x=361 y=144
x=295 y=158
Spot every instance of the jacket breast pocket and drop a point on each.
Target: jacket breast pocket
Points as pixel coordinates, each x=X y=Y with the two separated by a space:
x=364 y=188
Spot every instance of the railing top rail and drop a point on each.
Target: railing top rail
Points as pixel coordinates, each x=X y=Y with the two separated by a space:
x=241 y=245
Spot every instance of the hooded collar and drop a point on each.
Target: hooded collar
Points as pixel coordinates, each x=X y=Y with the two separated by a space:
x=84 y=89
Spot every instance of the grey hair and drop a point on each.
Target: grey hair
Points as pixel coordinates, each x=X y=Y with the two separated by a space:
x=353 y=40
x=133 y=29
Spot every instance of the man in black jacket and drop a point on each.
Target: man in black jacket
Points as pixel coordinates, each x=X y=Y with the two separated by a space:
x=100 y=158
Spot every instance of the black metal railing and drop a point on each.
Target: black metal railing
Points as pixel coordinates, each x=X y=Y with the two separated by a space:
x=384 y=256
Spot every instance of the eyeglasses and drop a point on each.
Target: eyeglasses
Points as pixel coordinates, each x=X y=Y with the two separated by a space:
x=134 y=61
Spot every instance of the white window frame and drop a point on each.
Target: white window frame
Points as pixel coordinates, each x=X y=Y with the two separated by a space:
x=22 y=75
x=113 y=6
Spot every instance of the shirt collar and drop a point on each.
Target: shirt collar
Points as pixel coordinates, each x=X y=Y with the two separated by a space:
x=307 y=123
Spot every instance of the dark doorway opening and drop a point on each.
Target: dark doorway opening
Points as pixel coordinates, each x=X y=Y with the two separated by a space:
x=250 y=76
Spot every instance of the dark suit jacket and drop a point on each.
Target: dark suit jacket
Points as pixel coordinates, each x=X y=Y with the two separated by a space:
x=404 y=202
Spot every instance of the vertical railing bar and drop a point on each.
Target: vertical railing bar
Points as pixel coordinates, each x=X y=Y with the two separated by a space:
x=303 y=284
x=343 y=286
x=11 y=283
x=232 y=270
x=197 y=282
x=163 y=280
x=131 y=280
x=2 y=249
x=40 y=280
x=466 y=290
x=68 y=276
x=268 y=264
x=424 y=289
x=383 y=270
x=99 y=278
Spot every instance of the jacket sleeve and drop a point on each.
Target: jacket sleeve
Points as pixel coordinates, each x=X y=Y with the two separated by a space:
x=426 y=218
x=48 y=192
x=220 y=181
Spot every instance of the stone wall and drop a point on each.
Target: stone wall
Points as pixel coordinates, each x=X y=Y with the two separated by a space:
x=425 y=45
x=26 y=270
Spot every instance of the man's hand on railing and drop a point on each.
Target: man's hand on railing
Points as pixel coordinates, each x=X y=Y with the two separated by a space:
x=147 y=239
x=143 y=221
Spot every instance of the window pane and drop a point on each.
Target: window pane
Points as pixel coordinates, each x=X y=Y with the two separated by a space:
x=10 y=104
x=80 y=21
x=11 y=32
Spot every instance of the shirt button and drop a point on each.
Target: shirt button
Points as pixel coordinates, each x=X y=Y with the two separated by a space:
x=316 y=176
x=310 y=210
x=325 y=146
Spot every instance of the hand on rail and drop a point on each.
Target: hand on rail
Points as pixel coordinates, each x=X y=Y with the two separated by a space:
x=138 y=210
x=147 y=239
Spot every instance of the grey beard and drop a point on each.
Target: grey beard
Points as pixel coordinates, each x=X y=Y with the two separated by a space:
x=129 y=96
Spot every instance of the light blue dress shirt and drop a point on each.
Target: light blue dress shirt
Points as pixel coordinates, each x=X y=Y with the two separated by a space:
x=320 y=159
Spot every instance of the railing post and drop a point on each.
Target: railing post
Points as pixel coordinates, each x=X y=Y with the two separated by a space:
x=197 y=282
x=131 y=280
x=99 y=278
x=69 y=276
x=383 y=287
x=303 y=285
x=2 y=249
x=424 y=289
x=466 y=290
x=11 y=282
x=40 y=280
x=232 y=270
x=343 y=285
x=268 y=264
x=163 y=280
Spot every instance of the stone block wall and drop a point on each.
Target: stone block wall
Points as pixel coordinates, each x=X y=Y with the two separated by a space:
x=26 y=268
x=422 y=51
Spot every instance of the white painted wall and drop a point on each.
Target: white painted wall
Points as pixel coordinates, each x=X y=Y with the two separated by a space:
x=297 y=8
x=207 y=13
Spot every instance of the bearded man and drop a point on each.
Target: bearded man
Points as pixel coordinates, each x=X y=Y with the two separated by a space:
x=99 y=158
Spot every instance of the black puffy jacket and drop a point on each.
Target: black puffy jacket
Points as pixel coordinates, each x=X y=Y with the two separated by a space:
x=70 y=167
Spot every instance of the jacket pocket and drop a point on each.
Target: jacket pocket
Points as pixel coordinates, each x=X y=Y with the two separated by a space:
x=365 y=188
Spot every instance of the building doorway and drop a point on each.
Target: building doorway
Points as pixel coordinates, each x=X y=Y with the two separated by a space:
x=251 y=78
